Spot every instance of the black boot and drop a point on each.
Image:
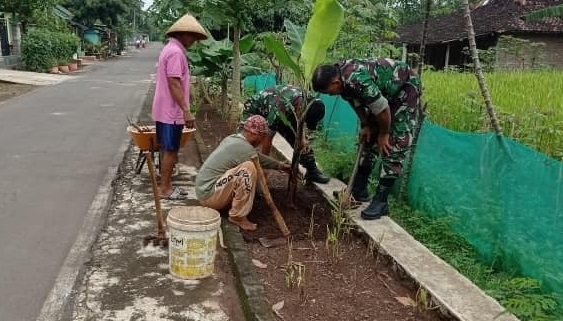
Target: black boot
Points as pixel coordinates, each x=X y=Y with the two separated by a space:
x=360 y=186
x=378 y=206
x=313 y=174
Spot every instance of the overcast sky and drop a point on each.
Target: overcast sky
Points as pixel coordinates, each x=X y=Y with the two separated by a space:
x=147 y=4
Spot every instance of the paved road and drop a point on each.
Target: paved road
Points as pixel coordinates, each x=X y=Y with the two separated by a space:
x=57 y=143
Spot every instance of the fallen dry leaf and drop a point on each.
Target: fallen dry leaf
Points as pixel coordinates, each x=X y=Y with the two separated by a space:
x=277 y=307
x=406 y=301
x=260 y=265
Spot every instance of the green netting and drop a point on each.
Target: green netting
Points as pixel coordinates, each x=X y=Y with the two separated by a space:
x=256 y=83
x=504 y=198
x=340 y=120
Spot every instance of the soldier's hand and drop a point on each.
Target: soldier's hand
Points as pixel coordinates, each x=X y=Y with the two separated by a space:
x=305 y=147
x=383 y=144
x=365 y=135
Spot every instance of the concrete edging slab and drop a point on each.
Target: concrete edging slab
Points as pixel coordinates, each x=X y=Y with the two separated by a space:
x=249 y=286
x=32 y=78
x=454 y=293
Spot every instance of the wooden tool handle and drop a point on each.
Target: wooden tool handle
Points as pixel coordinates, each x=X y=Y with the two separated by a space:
x=268 y=197
x=159 y=218
x=345 y=202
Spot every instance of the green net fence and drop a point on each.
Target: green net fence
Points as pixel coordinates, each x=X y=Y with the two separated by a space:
x=256 y=83
x=339 y=118
x=503 y=197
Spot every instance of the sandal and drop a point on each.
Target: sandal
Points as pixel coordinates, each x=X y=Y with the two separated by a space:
x=182 y=191
x=176 y=195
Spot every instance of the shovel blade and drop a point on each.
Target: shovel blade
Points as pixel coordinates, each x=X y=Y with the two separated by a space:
x=267 y=243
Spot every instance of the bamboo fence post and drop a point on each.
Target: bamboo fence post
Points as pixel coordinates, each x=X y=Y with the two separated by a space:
x=479 y=71
x=407 y=169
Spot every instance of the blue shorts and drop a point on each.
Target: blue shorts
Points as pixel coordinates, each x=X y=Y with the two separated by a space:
x=168 y=136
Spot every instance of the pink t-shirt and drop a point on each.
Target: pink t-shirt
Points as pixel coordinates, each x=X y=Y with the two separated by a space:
x=172 y=62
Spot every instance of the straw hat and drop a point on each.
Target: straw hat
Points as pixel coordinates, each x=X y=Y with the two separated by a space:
x=188 y=24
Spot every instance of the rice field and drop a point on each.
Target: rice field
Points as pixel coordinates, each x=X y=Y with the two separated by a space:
x=529 y=105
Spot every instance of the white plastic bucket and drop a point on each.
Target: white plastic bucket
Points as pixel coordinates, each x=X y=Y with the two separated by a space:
x=192 y=240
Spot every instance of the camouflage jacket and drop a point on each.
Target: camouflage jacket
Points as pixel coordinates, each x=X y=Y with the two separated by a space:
x=369 y=84
x=276 y=104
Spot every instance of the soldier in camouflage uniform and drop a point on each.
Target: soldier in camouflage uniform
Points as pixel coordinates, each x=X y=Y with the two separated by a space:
x=385 y=95
x=278 y=105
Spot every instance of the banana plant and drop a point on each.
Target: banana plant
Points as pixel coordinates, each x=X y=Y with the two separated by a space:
x=309 y=51
x=213 y=59
x=296 y=35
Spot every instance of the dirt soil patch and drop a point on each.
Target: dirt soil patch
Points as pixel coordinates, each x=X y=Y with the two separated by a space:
x=313 y=282
x=9 y=90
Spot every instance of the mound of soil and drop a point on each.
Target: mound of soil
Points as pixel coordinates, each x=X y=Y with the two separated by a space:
x=317 y=282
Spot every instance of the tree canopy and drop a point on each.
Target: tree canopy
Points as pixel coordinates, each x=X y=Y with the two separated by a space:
x=108 y=12
x=25 y=9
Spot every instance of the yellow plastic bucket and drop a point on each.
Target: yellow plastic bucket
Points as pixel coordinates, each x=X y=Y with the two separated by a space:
x=192 y=240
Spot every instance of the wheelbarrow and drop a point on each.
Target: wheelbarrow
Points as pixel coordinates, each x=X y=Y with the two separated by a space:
x=145 y=139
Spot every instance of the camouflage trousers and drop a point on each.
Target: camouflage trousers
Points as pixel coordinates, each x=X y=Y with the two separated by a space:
x=405 y=111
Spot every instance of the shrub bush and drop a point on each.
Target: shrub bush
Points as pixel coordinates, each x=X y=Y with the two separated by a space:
x=37 y=54
x=69 y=45
x=43 y=49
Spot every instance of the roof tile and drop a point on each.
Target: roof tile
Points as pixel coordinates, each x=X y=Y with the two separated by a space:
x=497 y=16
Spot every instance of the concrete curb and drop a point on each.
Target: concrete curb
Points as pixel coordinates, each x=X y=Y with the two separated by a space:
x=58 y=304
x=453 y=293
x=33 y=78
x=60 y=300
x=249 y=286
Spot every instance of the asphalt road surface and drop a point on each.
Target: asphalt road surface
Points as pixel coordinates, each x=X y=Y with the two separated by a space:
x=57 y=143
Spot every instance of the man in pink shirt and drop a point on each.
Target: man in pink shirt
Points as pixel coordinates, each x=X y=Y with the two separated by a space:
x=171 y=104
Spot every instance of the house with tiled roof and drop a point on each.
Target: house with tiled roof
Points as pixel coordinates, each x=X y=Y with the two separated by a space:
x=10 y=37
x=492 y=19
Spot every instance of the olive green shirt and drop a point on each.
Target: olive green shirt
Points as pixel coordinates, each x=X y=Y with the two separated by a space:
x=231 y=152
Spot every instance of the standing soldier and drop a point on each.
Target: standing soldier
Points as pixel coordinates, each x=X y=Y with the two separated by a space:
x=279 y=105
x=385 y=95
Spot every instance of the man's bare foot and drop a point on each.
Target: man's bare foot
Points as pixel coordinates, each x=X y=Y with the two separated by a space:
x=164 y=194
x=243 y=223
